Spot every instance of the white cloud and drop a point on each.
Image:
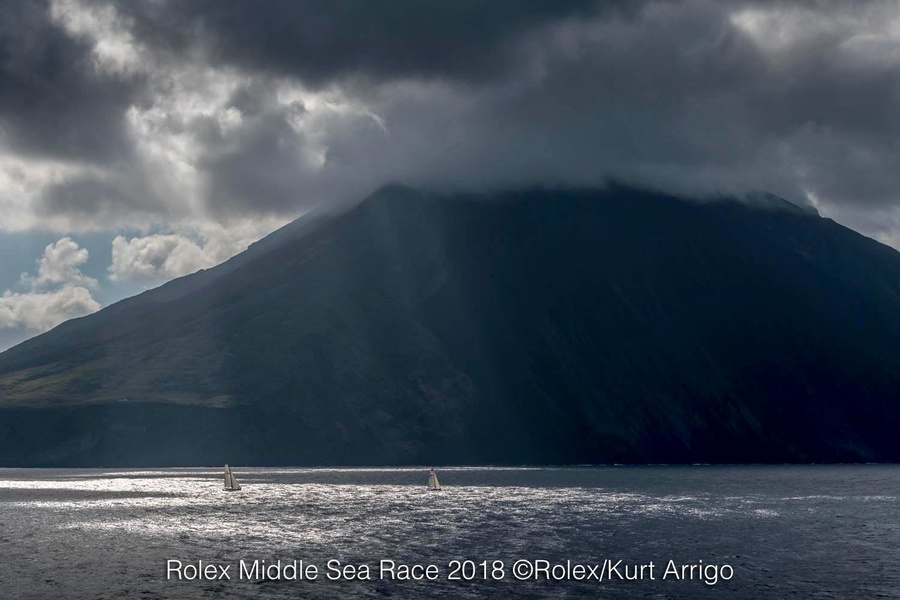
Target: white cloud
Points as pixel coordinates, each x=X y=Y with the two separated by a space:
x=160 y=256
x=114 y=48
x=43 y=308
x=164 y=256
x=60 y=266
x=41 y=311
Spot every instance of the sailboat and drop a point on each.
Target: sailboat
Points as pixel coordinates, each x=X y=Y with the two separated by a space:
x=231 y=484
x=433 y=483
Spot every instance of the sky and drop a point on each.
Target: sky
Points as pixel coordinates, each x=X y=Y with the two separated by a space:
x=142 y=141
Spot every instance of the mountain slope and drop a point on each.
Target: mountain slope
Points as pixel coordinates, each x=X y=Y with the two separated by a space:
x=543 y=327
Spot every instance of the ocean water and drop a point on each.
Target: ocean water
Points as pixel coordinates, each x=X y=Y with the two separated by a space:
x=760 y=532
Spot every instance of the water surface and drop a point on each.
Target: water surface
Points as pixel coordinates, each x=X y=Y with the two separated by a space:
x=791 y=531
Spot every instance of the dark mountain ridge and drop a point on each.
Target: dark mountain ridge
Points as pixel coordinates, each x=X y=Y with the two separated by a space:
x=529 y=327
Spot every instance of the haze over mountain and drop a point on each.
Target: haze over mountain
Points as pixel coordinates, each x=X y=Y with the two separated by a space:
x=528 y=327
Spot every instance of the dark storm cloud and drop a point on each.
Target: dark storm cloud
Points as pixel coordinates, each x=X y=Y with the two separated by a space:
x=264 y=165
x=678 y=97
x=89 y=197
x=666 y=94
x=321 y=40
x=695 y=97
x=53 y=102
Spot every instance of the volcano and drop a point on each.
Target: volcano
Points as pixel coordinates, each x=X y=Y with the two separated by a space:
x=525 y=327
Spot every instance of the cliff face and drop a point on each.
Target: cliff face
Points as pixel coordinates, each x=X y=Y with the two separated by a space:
x=534 y=327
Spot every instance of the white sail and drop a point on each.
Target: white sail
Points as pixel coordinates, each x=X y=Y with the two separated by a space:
x=433 y=483
x=230 y=482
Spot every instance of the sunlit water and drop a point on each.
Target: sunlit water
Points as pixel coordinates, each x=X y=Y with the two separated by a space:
x=805 y=532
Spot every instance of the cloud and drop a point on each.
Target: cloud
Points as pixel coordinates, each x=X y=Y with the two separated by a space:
x=170 y=117
x=320 y=41
x=158 y=257
x=60 y=266
x=45 y=310
x=58 y=292
x=54 y=102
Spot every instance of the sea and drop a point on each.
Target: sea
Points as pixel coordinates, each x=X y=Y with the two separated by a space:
x=749 y=532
